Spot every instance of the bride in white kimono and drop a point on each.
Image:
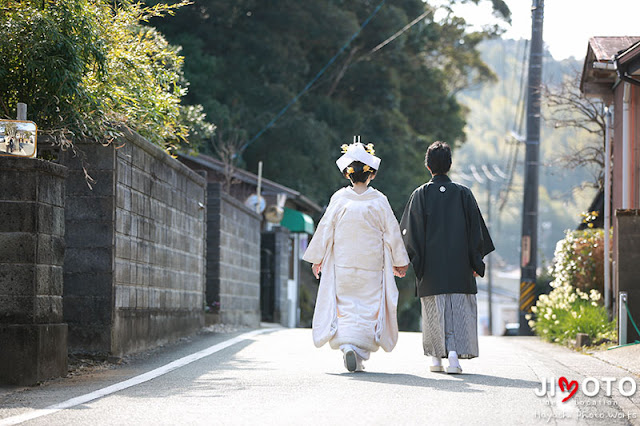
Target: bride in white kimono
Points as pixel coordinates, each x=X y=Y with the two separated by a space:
x=359 y=249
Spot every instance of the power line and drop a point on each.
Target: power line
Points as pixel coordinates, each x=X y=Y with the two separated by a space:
x=317 y=76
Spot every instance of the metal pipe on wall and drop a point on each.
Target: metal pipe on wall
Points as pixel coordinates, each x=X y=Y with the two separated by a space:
x=626 y=163
x=607 y=209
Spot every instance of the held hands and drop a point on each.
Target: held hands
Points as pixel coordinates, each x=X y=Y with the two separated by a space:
x=316 y=268
x=400 y=271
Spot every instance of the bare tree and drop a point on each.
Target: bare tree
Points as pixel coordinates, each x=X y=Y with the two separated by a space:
x=227 y=143
x=569 y=108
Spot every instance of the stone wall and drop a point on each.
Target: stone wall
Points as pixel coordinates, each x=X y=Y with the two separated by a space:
x=33 y=337
x=233 y=259
x=135 y=274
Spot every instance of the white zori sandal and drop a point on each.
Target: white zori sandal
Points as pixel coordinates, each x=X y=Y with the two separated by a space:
x=436 y=365
x=454 y=369
x=454 y=365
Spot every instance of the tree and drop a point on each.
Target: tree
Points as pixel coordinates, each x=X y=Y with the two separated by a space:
x=569 y=108
x=88 y=67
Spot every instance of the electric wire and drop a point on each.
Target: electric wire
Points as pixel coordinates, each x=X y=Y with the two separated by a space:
x=317 y=76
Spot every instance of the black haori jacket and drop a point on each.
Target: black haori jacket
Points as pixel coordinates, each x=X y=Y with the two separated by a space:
x=446 y=237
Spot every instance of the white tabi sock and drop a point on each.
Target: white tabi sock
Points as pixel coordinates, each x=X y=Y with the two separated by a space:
x=453 y=359
x=436 y=362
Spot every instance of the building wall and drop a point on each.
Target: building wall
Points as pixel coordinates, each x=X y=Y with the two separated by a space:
x=233 y=259
x=622 y=247
x=634 y=147
x=33 y=337
x=135 y=275
x=628 y=245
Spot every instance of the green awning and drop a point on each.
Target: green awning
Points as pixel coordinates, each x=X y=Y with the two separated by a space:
x=297 y=221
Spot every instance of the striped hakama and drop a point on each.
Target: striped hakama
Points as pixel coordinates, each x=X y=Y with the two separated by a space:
x=449 y=323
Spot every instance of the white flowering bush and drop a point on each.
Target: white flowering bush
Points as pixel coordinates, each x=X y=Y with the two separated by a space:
x=575 y=303
x=567 y=311
x=579 y=260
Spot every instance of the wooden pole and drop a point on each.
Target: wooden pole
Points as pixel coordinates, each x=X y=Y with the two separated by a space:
x=259 y=186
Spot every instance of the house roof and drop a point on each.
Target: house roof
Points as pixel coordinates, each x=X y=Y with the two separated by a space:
x=629 y=60
x=604 y=54
x=268 y=186
x=605 y=48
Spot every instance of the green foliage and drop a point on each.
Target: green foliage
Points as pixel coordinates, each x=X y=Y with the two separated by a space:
x=85 y=68
x=574 y=305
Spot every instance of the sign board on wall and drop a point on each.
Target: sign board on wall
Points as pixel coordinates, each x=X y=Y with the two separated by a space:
x=18 y=138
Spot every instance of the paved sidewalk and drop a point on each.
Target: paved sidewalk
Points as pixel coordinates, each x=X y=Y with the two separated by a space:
x=625 y=357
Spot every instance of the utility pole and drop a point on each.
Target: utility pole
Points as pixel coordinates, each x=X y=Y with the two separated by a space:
x=529 y=260
x=489 y=274
x=496 y=176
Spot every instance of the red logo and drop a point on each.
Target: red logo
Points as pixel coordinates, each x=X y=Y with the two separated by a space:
x=571 y=386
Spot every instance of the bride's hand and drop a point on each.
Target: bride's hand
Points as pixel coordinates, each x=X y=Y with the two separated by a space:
x=316 y=268
x=400 y=271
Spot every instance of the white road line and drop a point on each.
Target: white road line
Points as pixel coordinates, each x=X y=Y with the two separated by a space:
x=83 y=399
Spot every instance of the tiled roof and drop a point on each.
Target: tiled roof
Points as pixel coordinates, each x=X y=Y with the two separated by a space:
x=605 y=48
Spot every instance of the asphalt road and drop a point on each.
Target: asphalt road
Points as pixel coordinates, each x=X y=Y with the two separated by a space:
x=279 y=377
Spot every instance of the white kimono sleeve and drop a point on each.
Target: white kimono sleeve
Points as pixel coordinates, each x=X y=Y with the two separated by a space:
x=320 y=250
x=393 y=238
x=322 y=240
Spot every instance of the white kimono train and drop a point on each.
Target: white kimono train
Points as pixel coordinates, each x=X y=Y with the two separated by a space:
x=358 y=242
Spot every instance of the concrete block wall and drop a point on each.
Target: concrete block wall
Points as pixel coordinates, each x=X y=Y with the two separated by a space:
x=138 y=240
x=233 y=259
x=33 y=337
x=89 y=236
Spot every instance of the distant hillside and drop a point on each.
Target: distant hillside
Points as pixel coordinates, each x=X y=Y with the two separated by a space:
x=495 y=111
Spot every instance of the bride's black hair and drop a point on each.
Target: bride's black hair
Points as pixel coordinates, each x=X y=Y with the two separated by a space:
x=357 y=173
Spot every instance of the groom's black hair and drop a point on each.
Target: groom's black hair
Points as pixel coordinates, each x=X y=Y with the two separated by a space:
x=438 y=158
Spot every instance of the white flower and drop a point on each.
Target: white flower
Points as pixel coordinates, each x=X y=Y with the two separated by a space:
x=574 y=314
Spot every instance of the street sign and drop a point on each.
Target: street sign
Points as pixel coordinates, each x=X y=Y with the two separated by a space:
x=18 y=138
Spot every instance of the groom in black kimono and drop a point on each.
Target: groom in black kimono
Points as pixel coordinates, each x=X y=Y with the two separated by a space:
x=446 y=239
